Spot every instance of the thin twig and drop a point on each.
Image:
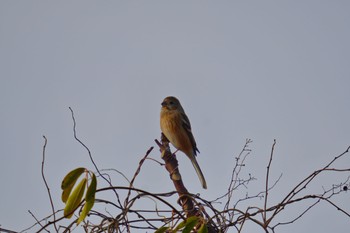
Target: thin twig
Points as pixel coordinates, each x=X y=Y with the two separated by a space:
x=267 y=181
x=37 y=221
x=131 y=185
x=239 y=164
x=302 y=185
x=137 y=172
x=47 y=186
x=89 y=152
x=7 y=231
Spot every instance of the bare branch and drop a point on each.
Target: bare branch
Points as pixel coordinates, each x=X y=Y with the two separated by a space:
x=89 y=152
x=267 y=183
x=219 y=216
x=46 y=185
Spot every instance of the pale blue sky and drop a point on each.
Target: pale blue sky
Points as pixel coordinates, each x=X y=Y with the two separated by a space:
x=242 y=69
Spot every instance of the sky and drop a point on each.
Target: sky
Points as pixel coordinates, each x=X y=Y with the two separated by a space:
x=261 y=70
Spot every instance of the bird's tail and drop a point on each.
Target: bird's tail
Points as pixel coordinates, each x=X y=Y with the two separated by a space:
x=199 y=173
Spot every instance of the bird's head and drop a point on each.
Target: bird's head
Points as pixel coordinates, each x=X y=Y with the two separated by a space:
x=171 y=103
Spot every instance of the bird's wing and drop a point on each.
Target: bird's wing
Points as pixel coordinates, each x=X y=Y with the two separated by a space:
x=187 y=126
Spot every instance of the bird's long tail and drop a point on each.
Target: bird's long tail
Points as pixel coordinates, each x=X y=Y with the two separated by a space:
x=199 y=173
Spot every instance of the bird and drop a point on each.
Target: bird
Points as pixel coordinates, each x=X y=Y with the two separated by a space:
x=176 y=127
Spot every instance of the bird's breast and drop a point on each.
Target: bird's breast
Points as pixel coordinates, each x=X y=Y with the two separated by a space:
x=172 y=128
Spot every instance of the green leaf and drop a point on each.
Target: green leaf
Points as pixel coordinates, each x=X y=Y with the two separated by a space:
x=162 y=230
x=186 y=222
x=66 y=192
x=85 y=211
x=75 y=198
x=190 y=225
x=203 y=228
x=89 y=199
x=90 y=194
x=70 y=179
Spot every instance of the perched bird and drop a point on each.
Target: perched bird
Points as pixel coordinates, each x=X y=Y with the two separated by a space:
x=176 y=127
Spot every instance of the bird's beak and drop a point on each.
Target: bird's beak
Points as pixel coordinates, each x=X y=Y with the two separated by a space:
x=163 y=103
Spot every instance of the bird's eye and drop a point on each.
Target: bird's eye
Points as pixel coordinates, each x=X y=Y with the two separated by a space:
x=171 y=102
